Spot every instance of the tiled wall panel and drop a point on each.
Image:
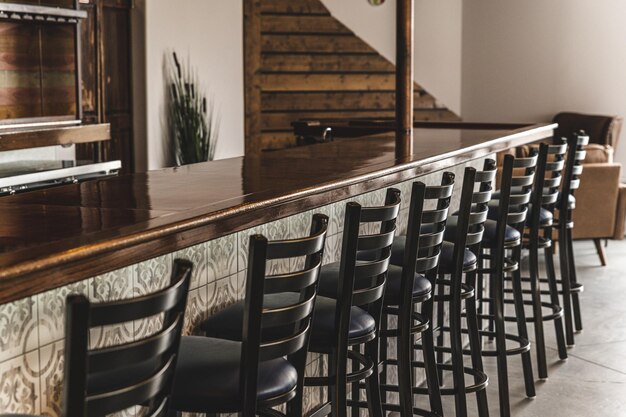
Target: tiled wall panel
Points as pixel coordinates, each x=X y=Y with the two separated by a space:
x=32 y=329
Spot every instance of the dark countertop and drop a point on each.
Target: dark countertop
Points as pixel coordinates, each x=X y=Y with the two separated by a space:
x=60 y=235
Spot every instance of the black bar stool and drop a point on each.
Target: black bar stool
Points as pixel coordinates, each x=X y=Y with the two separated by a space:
x=102 y=381
x=539 y=224
x=411 y=284
x=262 y=365
x=466 y=230
x=565 y=206
x=510 y=210
x=407 y=286
x=358 y=287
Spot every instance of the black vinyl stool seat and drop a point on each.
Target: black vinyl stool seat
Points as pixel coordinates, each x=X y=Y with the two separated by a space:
x=218 y=383
x=328 y=282
x=445 y=258
x=262 y=365
x=105 y=380
x=227 y=323
x=512 y=236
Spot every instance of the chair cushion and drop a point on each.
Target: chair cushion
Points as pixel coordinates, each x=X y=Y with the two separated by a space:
x=208 y=374
x=489 y=237
x=445 y=259
x=330 y=276
x=227 y=323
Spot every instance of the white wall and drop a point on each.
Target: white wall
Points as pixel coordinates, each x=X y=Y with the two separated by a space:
x=211 y=34
x=527 y=60
x=438 y=40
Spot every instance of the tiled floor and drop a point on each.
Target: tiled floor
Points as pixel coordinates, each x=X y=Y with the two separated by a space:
x=592 y=382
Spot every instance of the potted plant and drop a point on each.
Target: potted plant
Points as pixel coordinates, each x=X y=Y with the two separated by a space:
x=192 y=123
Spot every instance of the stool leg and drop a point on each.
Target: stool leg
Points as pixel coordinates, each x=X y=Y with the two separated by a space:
x=382 y=353
x=554 y=296
x=522 y=330
x=404 y=350
x=440 y=335
x=480 y=288
x=497 y=285
x=430 y=364
x=492 y=296
x=339 y=391
x=566 y=286
x=456 y=343
x=475 y=345
x=354 y=410
x=372 y=384
x=540 y=345
x=578 y=321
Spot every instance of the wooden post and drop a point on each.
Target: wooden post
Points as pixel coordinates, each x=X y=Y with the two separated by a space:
x=404 y=78
x=252 y=69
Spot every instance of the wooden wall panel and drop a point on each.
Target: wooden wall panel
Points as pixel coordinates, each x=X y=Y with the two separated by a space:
x=309 y=65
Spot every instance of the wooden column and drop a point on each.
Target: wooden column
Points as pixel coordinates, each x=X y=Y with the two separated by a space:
x=252 y=70
x=404 y=78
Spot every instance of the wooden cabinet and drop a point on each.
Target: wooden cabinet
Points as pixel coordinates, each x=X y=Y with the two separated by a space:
x=107 y=78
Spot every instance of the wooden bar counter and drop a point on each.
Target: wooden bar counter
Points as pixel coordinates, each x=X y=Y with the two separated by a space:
x=61 y=235
x=116 y=238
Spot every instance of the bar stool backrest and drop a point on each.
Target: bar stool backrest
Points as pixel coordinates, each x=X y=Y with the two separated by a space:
x=136 y=373
x=473 y=213
x=280 y=330
x=362 y=282
x=553 y=177
x=573 y=167
x=522 y=180
x=425 y=231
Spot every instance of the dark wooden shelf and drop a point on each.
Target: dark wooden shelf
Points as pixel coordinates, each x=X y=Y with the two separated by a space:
x=25 y=138
x=16 y=11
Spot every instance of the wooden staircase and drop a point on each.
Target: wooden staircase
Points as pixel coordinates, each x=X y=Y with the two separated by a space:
x=312 y=66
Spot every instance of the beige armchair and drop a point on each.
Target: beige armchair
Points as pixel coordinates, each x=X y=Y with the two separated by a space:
x=601 y=200
x=600 y=211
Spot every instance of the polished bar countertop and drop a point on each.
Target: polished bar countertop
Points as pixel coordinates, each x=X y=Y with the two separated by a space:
x=60 y=235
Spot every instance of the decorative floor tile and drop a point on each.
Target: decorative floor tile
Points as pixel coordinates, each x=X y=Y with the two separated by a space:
x=18 y=328
x=51 y=378
x=19 y=384
x=222 y=257
x=51 y=311
x=197 y=254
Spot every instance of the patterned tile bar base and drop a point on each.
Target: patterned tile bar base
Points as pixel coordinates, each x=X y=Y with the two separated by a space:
x=32 y=329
